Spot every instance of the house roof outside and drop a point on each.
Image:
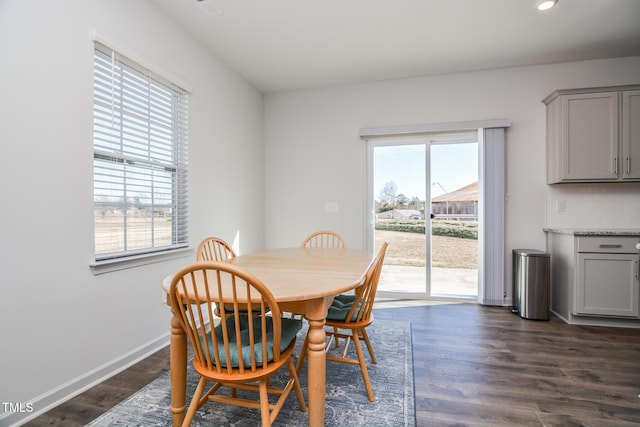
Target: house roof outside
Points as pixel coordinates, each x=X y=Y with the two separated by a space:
x=468 y=193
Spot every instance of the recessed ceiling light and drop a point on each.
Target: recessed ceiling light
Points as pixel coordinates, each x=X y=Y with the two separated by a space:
x=546 y=4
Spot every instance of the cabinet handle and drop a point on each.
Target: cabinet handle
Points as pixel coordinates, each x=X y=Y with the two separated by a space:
x=628 y=165
x=615 y=166
x=610 y=246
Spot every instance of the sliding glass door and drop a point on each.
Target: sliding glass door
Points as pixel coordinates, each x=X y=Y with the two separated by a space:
x=423 y=200
x=454 y=219
x=399 y=212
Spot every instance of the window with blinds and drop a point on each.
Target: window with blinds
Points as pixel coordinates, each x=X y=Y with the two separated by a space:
x=139 y=159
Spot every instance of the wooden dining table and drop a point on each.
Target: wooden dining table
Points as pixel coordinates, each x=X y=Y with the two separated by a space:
x=304 y=281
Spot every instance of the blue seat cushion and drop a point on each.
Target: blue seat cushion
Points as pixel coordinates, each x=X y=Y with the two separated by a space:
x=340 y=308
x=229 y=309
x=343 y=301
x=290 y=328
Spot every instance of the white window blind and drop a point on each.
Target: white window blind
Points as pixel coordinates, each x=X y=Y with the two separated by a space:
x=139 y=160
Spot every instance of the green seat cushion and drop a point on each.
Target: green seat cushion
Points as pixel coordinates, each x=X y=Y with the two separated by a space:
x=290 y=328
x=342 y=301
x=340 y=308
x=229 y=309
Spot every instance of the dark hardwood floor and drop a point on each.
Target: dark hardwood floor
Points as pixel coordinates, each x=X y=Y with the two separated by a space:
x=473 y=366
x=478 y=366
x=89 y=405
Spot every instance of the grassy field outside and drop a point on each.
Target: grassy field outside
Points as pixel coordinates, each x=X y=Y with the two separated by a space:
x=408 y=249
x=405 y=248
x=143 y=232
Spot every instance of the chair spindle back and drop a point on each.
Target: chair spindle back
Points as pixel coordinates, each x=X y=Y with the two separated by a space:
x=197 y=289
x=366 y=293
x=214 y=249
x=324 y=239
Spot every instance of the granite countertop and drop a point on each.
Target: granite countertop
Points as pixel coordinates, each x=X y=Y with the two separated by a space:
x=595 y=231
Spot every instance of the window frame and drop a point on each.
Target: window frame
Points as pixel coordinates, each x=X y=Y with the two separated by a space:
x=158 y=163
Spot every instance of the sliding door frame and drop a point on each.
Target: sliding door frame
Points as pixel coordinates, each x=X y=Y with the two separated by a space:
x=492 y=186
x=427 y=141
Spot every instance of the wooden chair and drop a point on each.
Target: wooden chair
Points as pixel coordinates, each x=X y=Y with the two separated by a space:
x=214 y=249
x=324 y=239
x=245 y=348
x=321 y=239
x=349 y=316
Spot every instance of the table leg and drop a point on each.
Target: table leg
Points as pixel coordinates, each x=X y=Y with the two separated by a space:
x=178 y=354
x=316 y=364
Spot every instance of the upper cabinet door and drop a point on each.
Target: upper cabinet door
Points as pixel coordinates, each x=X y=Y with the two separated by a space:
x=593 y=134
x=631 y=134
x=589 y=140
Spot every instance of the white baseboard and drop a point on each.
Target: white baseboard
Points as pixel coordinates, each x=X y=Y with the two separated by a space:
x=600 y=321
x=70 y=389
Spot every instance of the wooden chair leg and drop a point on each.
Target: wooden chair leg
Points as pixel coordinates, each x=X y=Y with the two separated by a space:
x=363 y=367
x=193 y=406
x=303 y=354
x=365 y=336
x=264 y=403
x=293 y=374
x=335 y=335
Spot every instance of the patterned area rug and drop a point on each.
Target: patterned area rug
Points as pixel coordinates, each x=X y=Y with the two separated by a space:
x=346 y=399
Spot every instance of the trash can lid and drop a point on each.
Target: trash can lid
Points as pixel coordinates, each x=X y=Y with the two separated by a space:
x=531 y=252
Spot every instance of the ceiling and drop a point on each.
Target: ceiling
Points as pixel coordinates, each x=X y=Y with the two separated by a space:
x=280 y=45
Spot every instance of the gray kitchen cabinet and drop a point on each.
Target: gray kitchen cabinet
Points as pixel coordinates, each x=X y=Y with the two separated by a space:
x=607 y=285
x=593 y=135
x=631 y=134
x=594 y=278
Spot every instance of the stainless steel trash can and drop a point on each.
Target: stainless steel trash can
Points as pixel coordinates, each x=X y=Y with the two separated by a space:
x=531 y=277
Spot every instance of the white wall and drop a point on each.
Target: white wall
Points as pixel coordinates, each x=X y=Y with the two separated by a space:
x=63 y=327
x=614 y=205
x=314 y=154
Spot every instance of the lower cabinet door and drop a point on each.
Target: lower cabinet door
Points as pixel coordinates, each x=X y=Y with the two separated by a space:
x=607 y=285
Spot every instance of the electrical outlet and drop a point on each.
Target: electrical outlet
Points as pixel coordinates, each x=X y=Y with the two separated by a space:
x=331 y=207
